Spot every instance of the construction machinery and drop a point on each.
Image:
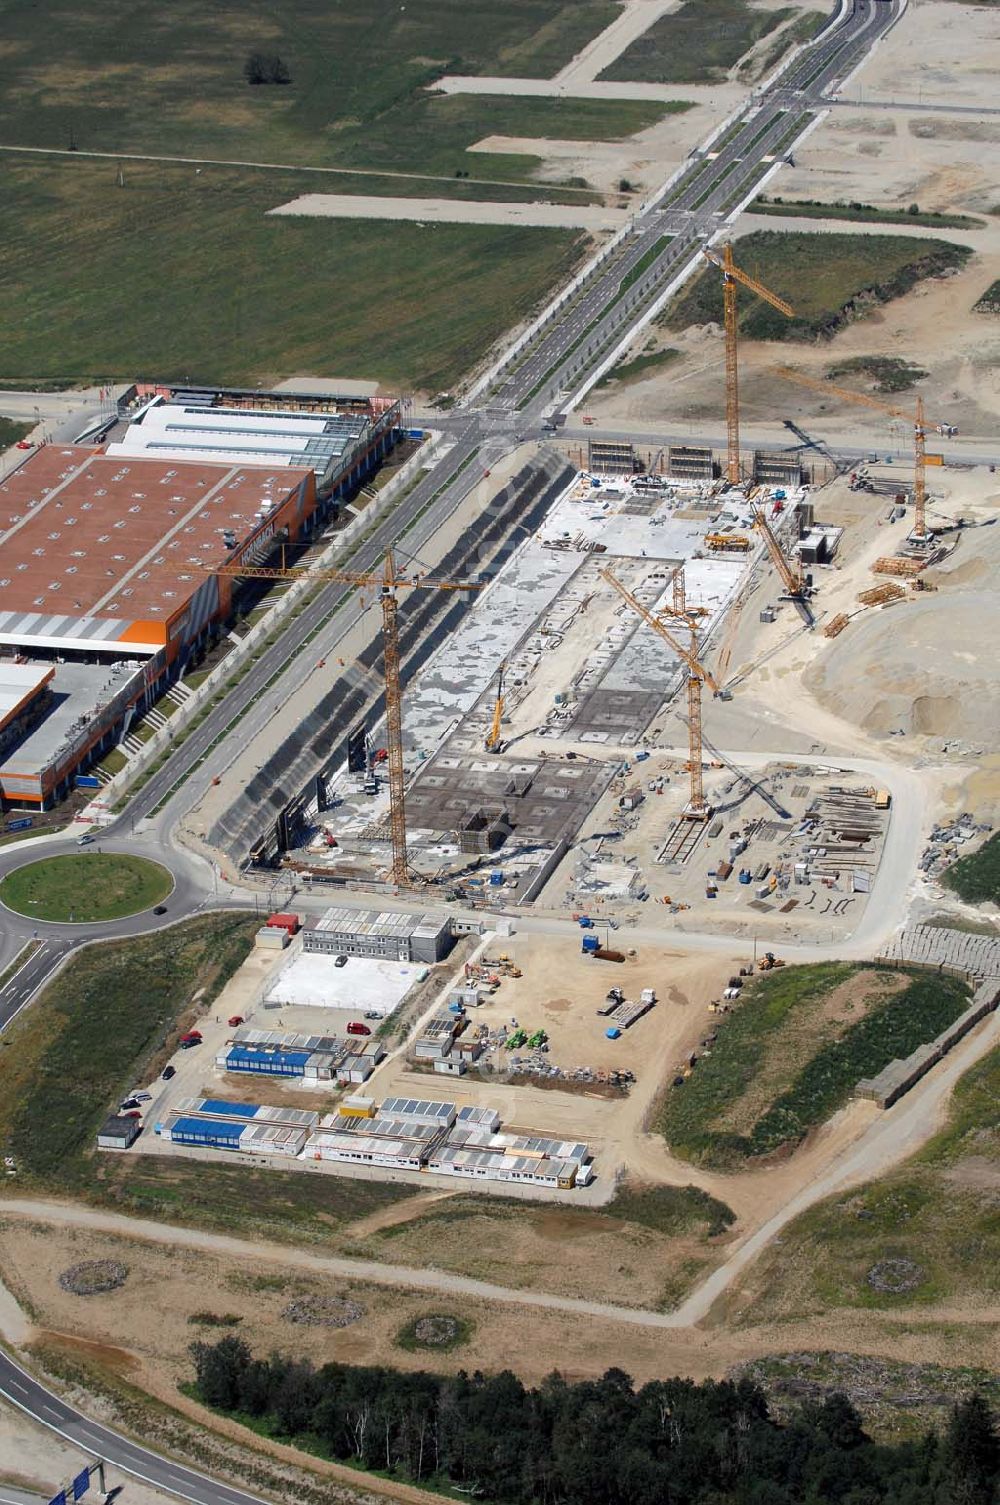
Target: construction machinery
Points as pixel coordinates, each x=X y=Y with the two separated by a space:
x=728 y=543
x=731 y=276
x=790 y=570
x=915 y=415
x=387 y=582
x=493 y=743
x=697 y=808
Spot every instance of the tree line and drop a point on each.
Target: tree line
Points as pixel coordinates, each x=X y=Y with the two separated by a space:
x=599 y=1442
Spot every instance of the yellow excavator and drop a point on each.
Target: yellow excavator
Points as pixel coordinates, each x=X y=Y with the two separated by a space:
x=493 y=744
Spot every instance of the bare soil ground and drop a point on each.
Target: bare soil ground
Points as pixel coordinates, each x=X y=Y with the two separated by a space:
x=143 y=1330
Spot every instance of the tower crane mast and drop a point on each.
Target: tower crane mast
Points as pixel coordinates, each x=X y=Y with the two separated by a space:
x=387 y=581
x=917 y=417
x=731 y=276
x=697 y=807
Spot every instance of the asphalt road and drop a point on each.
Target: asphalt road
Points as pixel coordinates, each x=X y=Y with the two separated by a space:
x=95 y=1440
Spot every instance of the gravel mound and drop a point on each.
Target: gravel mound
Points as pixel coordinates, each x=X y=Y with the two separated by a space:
x=323 y=1311
x=436 y=1332
x=895 y=1276
x=93 y=1276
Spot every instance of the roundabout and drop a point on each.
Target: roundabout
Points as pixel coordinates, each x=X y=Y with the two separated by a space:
x=85 y=888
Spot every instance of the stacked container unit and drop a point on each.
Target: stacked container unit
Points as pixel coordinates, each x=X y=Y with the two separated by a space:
x=213 y=1124
x=271 y=938
x=286 y=922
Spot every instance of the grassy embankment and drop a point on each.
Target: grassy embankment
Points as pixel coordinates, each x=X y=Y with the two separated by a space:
x=11 y=431
x=109 y=1021
x=638 y=367
x=830 y=280
x=989 y=303
x=888 y=373
x=867 y=214
x=85 y=887
x=976 y=878
x=791 y=1053
x=649 y=1245
x=699 y=43
x=932 y=1225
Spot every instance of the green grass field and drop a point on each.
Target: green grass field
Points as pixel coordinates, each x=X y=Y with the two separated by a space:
x=696 y=44
x=207 y=287
x=11 y=432
x=976 y=879
x=85 y=887
x=95 y=1030
x=119 y=79
x=828 y=279
x=938 y=1212
x=784 y=1061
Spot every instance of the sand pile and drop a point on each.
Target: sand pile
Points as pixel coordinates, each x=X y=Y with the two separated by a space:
x=926 y=667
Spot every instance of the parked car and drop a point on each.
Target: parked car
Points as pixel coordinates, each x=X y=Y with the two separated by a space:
x=340 y=961
x=190 y=1044
x=373 y=1014
x=192 y=1034
x=357 y=1028
x=235 y=1020
x=130 y=1102
x=133 y=1113
x=143 y=1097
x=167 y=1073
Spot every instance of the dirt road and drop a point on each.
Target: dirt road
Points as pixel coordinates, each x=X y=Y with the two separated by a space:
x=892 y=1136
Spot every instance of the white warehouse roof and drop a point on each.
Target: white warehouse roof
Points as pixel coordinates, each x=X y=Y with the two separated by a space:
x=235 y=436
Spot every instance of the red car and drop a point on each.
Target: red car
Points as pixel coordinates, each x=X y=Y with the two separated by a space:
x=235 y=1020
x=357 y=1028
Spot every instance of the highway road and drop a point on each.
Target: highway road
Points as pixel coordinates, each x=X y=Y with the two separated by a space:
x=94 y=1440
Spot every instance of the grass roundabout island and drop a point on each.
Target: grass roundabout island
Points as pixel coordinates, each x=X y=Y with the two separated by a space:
x=81 y=888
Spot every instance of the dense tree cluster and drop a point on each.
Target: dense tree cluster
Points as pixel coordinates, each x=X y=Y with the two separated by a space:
x=265 y=68
x=600 y=1442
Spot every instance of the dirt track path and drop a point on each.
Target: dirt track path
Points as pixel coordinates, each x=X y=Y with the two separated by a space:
x=892 y=1136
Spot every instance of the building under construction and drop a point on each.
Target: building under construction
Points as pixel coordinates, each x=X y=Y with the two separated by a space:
x=503 y=774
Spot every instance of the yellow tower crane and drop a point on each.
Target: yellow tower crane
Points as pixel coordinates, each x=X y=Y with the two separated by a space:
x=492 y=743
x=388 y=581
x=916 y=416
x=731 y=275
x=790 y=570
x=697 y=807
